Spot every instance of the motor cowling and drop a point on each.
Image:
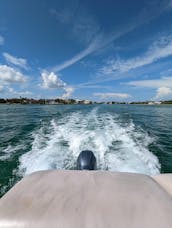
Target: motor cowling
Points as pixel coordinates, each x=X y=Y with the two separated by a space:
x=86 y=161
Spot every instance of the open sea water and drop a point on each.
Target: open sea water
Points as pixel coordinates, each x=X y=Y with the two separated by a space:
x=124 y=138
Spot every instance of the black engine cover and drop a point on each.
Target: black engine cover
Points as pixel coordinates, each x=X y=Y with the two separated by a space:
x=86 y=161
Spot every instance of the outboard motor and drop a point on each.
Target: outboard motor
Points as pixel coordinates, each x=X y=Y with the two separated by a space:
x=86 y=161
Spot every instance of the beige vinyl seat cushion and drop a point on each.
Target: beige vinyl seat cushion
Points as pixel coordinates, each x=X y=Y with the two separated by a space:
x=86 y=199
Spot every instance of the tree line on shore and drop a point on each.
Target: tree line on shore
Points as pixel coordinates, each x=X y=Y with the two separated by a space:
x=71 y=101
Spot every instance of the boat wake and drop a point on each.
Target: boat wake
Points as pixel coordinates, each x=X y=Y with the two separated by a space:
x=118 y=146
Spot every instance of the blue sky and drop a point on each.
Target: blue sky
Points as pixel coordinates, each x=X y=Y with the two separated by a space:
x=100 y=50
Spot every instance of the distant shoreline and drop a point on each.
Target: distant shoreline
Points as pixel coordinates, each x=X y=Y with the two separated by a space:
x=66 y=102
x=59 y=101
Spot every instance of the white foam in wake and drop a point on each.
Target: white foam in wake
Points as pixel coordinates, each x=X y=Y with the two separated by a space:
x=10 y=150
x=117 y=147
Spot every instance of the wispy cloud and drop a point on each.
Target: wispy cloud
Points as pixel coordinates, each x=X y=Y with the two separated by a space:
x=162 y=85
x=2 y=40
x=152 y=83
x=91 y=48
x=160 y=49
x=92 y=86
x=1 y=88
x=20 y=62
x=102 y=40
x=105 y=96
x=19 y=93
x=84 y=28
x=82 y=25
x=62 y=16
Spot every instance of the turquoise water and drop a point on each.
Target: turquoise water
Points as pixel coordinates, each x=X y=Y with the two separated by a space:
x=125 y=138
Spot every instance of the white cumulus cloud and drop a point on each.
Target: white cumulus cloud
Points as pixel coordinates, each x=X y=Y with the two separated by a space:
x=112 y=95
x=11 y=75
x=68 y=92
x=20 y=62
x=51 y=81
x=163 y=92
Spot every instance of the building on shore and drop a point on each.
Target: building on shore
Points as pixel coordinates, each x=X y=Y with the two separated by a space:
x=154 y=103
